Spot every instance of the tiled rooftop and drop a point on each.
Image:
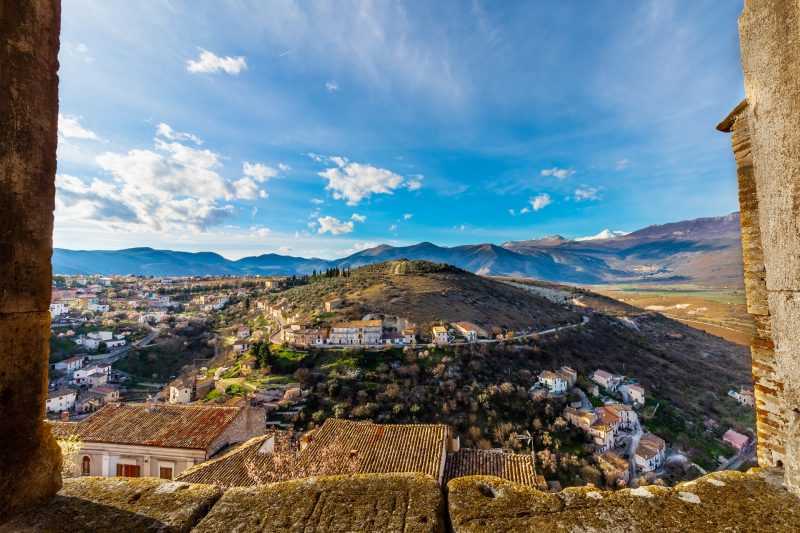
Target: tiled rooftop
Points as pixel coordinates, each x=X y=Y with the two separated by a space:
x=383 y=448
x=472 y=462
x=169 y=426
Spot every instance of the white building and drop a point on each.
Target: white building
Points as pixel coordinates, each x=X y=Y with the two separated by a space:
x=651 y=452
x=554 y=382
x=634 y=392
x=607 y=380
x=70 y=364
x=470 y=331
x=92 y=375
x=440 y=335
x=61 y=400
x=57 y=309
x=98 y=308
x=743 y=396
x=356 y=332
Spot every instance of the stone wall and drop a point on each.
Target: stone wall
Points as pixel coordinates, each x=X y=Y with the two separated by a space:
x=770 y=47
x=29 y=39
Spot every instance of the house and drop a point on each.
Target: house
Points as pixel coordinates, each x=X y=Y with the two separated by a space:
x=356 y=332
x=307 y=336
x=107 y=393
x=470 y=331
x=338 y=447
x=243 y=332
x=736 y=440
x=582 y=418
x=744 y=396
x=96 y=374
x=633 y=393
x=516 y=467
x=61 y=400
x=181 y=391
x=569 y=374
x=98 y=308
x=554 y=382
x=628 y=419
x=440 y=335
x=332 y=305
x=57 y=309
x=615 y=469
x=157 y=440
x=241 y=346
x=607 y=380
x=650 y=453
x=409 y=335
x=70 y=364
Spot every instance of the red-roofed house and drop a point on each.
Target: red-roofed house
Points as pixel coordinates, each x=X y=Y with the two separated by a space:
x=736 y=439
x=157 y=440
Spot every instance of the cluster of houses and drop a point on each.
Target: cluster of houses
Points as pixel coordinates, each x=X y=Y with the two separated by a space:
x=87 y=387
x=228 y=446
x=93 y=340
x=371 y=330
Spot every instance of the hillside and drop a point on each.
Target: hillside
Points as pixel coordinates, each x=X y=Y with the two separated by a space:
x=426 y=293
x=705 y=251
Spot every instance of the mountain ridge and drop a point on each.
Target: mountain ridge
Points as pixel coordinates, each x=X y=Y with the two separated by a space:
x=704 y=250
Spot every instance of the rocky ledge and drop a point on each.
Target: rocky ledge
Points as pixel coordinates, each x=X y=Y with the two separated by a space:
x=723 y=501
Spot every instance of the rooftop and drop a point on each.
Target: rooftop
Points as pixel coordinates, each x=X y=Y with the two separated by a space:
x=167 y=426
x=473 y=462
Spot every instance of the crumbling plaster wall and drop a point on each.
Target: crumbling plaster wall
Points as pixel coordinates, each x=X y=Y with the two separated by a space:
x=30 y=460
x=769 y=33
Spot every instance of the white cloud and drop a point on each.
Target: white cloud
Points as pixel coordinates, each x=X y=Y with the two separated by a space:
x=560 y=173
x=524 y=210
x=334 y=226
x=585 y=193
x=407 y=216
x=209 y=62
x=171 y=188
x=247 y=189
x=331 y=86
x=460 y=227
x=69 y=127
x=166 y=132
x=259 y=171
x=540 y=201
x=354 y=182
x=414 y=182
x=622 y=164
x=512 y=212
x=260 y=231
x=284 y=167
x=317 y=201
x=393 y=227
x=358 y=218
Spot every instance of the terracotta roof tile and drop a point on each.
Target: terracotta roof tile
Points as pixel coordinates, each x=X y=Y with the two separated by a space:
x=167 y=426
x=471 y=462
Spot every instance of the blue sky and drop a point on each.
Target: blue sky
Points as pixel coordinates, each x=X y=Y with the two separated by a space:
x=321 y=128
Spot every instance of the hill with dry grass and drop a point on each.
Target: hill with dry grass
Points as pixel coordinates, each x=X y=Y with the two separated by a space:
x=426 y=293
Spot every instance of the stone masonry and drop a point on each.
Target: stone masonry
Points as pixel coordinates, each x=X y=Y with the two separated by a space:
x=30 y=459
x=769 y=174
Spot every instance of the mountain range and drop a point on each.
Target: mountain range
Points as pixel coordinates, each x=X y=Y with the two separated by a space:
x=704 y=251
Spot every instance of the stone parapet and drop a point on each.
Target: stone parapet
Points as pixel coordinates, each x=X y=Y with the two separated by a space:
x=723 y=501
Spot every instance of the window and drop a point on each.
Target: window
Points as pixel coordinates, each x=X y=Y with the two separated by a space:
x=165 y=472
x=128 y=470
x=86 y=466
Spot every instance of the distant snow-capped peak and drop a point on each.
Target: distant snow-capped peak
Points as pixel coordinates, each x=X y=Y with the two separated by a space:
x=605 y=234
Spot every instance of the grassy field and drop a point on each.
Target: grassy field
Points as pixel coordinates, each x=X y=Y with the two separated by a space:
x=721 y=312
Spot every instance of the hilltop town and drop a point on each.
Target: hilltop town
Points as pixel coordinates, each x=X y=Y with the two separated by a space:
x=549 y=386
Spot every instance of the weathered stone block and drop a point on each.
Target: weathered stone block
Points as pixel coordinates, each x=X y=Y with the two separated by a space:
x=94 y=504
x=723 y=501
x=369 y=502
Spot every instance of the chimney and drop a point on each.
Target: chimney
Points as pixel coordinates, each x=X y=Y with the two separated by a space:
x=65 y=416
